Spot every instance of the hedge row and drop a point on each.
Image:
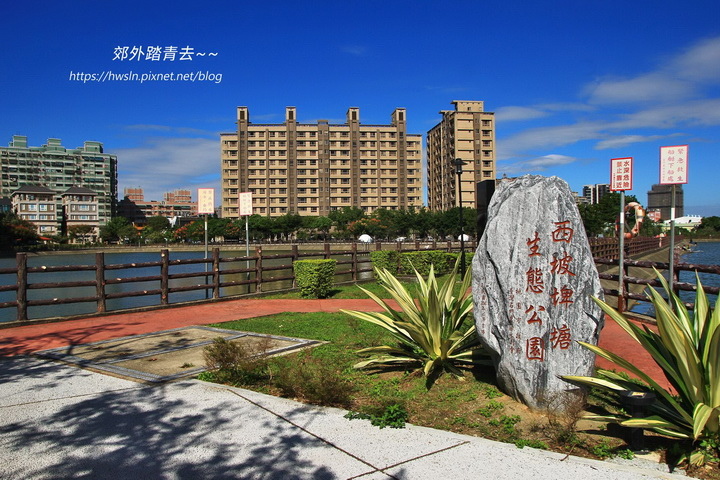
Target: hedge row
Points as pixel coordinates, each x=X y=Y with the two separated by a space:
x=403 y=262
x=315 y=277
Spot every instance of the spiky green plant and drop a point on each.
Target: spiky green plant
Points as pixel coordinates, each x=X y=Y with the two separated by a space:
x=687 y=348
x=430 y=329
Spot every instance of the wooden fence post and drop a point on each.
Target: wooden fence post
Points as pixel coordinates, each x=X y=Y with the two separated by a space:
x=354 y=262
x=621 y=302
x=295 y=256
x=100 y=282
x=258 y=269
x=164 y=273
x=21 y=260
x=327 y=252
x=216 y=272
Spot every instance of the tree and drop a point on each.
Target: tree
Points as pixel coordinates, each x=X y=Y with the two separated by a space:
x=601 y=217
x=80 y=232
x=709 y=226
x=15 y=231
x=117 y=229
x=343 y=217
x=157 y=229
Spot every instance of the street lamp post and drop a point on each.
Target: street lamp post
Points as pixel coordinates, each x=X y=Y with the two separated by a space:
x=458 y=171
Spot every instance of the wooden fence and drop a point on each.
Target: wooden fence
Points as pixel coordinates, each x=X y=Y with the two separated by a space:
x=263 y=268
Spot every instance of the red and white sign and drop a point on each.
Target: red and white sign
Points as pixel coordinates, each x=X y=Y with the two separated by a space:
x=621 y=174
x=206 y=201
x=673 y=165
x=245 y=203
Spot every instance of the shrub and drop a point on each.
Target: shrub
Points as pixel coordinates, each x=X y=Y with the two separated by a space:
x=237 y=363
x=386 y=259
x=314 y=277
x=423 y=261
x=432 y=331
x=315 y=381
x=687 y=348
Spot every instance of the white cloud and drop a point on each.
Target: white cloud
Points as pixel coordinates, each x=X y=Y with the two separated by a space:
x=681 y=78
x=694 y=113
x=701 y=62
x=162 y=165
x=652 y=87
x=534 y=165
x=514 y=113
x=624 y=140
x=544 y=137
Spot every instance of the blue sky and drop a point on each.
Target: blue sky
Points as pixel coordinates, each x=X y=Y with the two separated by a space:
x=573 y=83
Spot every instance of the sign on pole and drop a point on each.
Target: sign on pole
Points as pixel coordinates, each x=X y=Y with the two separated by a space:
x=673 y=171
x=621 y=179
x=245 y=203
x=673 y=165
x=206 y=201
x=621 y=174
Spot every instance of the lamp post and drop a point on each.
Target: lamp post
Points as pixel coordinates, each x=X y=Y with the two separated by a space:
x=458 y=171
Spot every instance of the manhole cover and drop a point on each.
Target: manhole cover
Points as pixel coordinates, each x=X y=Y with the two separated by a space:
x=167 y=355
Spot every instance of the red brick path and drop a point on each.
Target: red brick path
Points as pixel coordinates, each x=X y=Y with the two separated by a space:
x=27 y=339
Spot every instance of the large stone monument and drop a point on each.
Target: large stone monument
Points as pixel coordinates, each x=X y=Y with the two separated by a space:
x=533 y=276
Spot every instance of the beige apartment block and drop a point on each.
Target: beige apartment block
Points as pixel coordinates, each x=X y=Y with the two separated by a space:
x=467 y=133
x=314 y=168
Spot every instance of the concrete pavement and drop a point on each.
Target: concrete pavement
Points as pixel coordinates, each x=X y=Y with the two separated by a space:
x=58 y=421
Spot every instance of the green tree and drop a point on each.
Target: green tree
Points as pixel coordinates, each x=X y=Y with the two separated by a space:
x=650 y=228
x=157 y=229
x=118 y=229
x=286 y=225
x=709 y=226
x=81 y=232
x=343 y=217
x=16 y=232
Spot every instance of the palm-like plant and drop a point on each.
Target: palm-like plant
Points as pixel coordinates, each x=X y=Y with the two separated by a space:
x=431 y=330
x=687 y=348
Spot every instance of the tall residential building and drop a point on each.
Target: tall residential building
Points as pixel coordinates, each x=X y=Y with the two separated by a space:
x=54 y=167
x=314 y=168
x=467 y=133
x=594 y=193
x=135 y=208
x=660 y=198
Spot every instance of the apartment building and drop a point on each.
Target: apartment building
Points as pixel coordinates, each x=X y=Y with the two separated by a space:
x=38 y=205
x=314 y=168
x=57 y=168
x=134 y=207
x=592 y=194
x=467 y=133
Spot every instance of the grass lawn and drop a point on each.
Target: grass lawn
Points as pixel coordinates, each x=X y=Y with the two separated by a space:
x=471 y=405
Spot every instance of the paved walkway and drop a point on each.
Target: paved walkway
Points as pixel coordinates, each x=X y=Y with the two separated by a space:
x=58 y=421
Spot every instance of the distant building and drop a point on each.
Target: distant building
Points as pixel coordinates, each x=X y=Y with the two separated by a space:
x=660 y=198
x=53 y=214
x=467 y=133
x=592 y=194
x=38 y=205
x=54 y=167
x=176 y=204
x=315 y=168
x=80 y=207
x=688 y=222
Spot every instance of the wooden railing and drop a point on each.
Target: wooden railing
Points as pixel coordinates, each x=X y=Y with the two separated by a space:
x=263 y=269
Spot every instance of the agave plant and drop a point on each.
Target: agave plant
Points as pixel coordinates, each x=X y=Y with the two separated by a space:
x=687 y=348
x=430 y=331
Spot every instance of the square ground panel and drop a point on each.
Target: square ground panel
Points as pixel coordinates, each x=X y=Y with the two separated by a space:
x=167 y=355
